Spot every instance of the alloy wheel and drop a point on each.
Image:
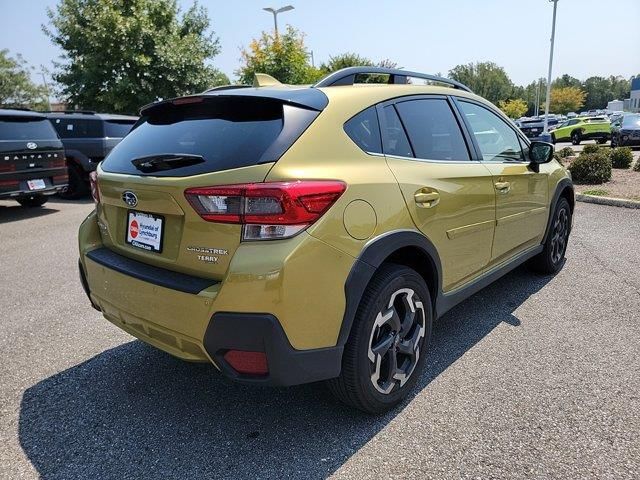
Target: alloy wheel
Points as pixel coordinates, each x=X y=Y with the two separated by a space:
x=395 y=341
x=559 y=236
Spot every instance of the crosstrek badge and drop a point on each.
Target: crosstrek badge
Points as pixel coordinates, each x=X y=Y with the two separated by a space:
x=144 y=230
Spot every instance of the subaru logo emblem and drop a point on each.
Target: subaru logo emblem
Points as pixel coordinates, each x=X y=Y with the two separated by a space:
x=32 y=145
x=130 y=198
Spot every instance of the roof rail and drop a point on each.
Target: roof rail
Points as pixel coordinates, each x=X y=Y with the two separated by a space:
x=347 y=76
x=70 y=112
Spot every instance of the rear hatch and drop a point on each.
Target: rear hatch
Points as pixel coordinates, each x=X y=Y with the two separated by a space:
x=201 y=141
x=31 y=154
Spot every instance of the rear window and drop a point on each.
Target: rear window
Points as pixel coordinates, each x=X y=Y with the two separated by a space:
x=117 y=128
x=26 y=128
x=78 y=127
x=226 y=132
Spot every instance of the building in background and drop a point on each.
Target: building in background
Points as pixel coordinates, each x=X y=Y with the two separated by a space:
x=632 y=104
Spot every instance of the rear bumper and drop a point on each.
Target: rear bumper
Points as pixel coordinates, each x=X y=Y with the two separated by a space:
x=200 y=319
x=224 y=331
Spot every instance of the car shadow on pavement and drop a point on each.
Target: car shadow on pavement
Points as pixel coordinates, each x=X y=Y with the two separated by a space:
x=135 y=412
x=15 y=213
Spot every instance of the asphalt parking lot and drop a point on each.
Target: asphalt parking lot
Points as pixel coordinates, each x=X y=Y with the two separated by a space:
x=533 y=377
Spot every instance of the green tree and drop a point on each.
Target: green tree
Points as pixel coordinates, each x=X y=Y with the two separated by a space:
x=513 y=108
x=345 y=60
x=485 y=78
x=16 y=87
x=283 y=56
x=601 y=90
x=566 y=99
x=122 y=54
x=566 y=81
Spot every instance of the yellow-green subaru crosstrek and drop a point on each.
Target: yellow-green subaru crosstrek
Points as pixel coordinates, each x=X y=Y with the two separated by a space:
x=296 y=234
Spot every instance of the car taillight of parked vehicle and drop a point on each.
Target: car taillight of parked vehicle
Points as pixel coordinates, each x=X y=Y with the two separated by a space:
x=93 y=182
x=266 y=211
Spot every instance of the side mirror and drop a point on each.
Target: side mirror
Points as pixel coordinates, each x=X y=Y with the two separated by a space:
x=540 y=152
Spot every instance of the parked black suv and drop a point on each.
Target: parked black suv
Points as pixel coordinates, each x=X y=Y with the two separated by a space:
x=87 y=137
x=533 y=127
x=32 y=163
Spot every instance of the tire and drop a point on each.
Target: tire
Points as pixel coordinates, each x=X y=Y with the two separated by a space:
x=77 y=187
x=551 y=259
x=613 y=141
x=366 y=381
x=576 y=138
x=553 y=139
x=32 y=201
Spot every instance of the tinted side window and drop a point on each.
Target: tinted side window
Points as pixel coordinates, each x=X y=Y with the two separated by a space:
x=364 y=130
x=497 y=141
x=433 y=130
x=395 y=138
x=117 y=128
x=78 y=128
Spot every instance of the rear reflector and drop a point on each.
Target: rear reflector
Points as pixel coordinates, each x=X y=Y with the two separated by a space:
x=248 y=363
x=93 y=183
x=269 y=210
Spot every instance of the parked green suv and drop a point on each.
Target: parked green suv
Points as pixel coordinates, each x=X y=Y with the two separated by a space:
x=579 y=129
x=295 y=234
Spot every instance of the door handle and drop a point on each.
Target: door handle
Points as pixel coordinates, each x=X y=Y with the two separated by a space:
x=503 y=187
x=426 y=199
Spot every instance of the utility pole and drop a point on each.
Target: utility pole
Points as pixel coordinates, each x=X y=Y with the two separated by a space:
x=546 y=135
x=46 y=87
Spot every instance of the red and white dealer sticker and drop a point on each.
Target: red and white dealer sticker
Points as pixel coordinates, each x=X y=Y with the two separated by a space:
x=144 y=230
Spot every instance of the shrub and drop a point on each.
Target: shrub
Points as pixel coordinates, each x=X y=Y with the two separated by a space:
x=591 y=148
x=621 y=157
x=566 y=152
x=636 y=167
x=591 y=168
x=596 y=192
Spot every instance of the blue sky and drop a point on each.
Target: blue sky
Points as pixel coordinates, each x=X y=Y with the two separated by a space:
x=594 y=37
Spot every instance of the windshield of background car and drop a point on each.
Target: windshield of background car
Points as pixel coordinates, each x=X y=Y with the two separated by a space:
x=26 y=128
x=631 y=121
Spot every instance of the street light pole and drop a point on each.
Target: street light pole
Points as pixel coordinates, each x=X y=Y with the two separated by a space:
x=275 y=13
x=548 y=99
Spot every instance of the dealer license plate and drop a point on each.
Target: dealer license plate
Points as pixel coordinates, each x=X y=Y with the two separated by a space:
x=36 y=184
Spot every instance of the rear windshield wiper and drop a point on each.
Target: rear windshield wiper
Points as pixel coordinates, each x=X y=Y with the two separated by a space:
x=165 y=161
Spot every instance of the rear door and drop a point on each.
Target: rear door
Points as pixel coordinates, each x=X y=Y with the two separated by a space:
x=521 y=192
x=449 y=195
x=203 y=142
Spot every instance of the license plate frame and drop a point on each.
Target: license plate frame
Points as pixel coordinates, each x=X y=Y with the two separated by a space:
x=146 y=218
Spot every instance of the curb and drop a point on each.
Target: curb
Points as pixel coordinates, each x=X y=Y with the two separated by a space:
x=614 y=202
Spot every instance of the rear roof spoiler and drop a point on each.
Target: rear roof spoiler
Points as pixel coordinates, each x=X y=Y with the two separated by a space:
x=305 y=97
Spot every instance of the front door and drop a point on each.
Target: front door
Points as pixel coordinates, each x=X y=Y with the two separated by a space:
x=450 y=196
x=521 y=192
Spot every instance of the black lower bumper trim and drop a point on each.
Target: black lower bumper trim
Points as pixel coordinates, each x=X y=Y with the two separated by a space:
x=263 y=333
x=148 y=273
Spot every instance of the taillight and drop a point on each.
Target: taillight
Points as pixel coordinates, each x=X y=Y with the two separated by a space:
x=93 y=182
x=270 y=210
